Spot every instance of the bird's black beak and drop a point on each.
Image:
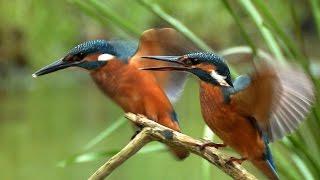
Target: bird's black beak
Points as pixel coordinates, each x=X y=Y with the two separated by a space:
x=55 y=66
x=171 y=59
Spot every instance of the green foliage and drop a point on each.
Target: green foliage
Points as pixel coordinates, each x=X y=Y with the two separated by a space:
x=270 y=29
x=43 y=124
x=92 y=156
x=105 y=133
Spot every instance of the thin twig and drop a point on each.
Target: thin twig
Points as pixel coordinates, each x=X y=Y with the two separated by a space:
x=154 y=131
x=129 y=150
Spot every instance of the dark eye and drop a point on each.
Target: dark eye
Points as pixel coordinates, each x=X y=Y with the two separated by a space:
x=188 y=61
x=195 y=61
x=78 y=57
x=191 y=61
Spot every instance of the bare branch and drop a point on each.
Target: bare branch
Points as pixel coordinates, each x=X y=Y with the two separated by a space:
x=153 y=131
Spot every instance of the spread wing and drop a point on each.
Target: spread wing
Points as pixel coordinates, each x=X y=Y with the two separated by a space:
x=164 y=42
x=278 y=97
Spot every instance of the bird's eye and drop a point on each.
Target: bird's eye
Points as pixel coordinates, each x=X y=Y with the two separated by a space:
x=191 y=61
x=76 y=58
x=188 y=61
x=195 y=61
x=79 y=57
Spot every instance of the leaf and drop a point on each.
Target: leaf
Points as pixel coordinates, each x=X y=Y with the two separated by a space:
x=92 y=156
x=205 y=165
x=106 y=14
x=266 y=34
x=157 y=10
x=105 y=133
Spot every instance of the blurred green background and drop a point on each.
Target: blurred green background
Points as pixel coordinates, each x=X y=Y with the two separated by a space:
x=46 y=120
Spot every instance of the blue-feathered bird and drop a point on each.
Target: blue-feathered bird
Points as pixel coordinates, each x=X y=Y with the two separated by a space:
x=250 y=111
x=113 y=65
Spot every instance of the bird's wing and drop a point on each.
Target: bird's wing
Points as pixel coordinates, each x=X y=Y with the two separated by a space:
x=166 y=42
x=278 y=97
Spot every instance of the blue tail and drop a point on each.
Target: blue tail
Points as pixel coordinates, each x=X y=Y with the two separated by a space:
x=268 y=156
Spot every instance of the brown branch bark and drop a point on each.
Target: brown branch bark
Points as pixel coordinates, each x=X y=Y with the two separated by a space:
x=153 y=131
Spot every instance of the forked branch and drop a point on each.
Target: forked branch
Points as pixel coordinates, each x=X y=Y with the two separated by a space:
x=153 y=131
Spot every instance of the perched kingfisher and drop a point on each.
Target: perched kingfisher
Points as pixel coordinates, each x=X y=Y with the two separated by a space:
x=250 y=111
x=113 y=65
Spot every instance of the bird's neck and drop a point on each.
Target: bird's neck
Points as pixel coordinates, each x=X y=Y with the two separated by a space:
x=216 y=93
x=110 y=77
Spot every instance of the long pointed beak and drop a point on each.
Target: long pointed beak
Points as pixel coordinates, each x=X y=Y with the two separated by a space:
x=166 y=68
x=55 y=66
x=172 y=59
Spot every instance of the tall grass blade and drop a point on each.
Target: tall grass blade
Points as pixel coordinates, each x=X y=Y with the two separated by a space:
x=107 y=14
x=205 y=165
x=239 y=23
x=302 y=167
x=315 y=6
x=157 y=10
x=272 y=24
x=92 y=156
x=178 y=25
x=105 y=133
x=266 y=34
x=283 y=164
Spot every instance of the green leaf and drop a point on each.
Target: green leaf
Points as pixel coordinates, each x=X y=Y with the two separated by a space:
x=284 y=163
x=239 y=23
x=157 y=10
x=86 y=157
x=92 y=156
x=315 y=5
x=105 y=133
x=266 y=34
x=302 y=166
x=205 y=165
x=104 y=13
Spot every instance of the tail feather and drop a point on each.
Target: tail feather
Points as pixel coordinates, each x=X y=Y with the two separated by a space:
x=267 y=168
x=266 y=164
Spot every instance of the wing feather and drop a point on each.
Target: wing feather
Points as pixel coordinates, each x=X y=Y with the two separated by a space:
x=166 y=41
x=279 y=97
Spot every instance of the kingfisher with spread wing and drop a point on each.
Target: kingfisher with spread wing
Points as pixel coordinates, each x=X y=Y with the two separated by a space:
x=250 y=111
x=113 y=65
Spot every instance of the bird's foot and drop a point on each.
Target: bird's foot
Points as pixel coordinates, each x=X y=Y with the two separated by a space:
x=238 y=160
x=211 y=144
x=135 y=134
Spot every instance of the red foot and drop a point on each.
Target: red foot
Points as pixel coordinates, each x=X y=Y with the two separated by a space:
x=238 y=160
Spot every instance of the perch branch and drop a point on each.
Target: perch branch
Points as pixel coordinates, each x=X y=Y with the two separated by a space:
x=129 y=150
x=153 y=131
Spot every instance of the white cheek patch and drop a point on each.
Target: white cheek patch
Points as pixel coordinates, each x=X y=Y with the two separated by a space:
x=105 y=57
x=221 y=79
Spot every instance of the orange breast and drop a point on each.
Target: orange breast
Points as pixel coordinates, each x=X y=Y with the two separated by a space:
x=234 y=129
x=135 y=91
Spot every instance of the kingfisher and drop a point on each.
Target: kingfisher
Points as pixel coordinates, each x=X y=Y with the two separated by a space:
x=114 y=67
x=250 y=111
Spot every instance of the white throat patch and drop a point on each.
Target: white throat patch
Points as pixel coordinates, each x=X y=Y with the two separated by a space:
x=105 y=57
x=221 y=79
